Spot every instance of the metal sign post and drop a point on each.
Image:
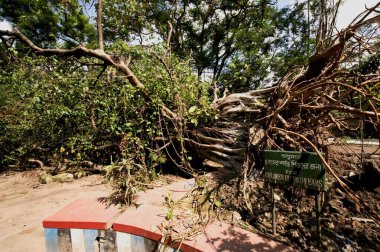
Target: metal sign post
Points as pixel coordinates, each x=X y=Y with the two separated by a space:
x=273 y=210
x=300 y=169
x=318 y=216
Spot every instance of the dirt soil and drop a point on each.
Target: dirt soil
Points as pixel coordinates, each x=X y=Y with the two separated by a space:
x=346 y=226
x=24 y=203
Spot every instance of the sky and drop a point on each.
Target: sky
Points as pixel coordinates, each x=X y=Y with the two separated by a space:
x=4 y=25
x=349 y=10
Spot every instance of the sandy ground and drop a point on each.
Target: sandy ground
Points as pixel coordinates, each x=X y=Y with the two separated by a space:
x=24 y=203
x=368 y=149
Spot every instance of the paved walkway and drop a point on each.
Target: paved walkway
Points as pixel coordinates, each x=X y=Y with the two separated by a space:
x=144 y=220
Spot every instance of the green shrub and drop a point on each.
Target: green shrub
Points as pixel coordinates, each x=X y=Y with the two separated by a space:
x=79 y=109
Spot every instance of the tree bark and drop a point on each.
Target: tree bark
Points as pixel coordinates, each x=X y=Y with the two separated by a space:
x=99 y=25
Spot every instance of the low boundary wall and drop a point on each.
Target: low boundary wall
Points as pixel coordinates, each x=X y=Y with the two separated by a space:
x=89 y=225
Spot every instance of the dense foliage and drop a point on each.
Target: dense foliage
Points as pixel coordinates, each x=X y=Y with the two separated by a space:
x=54 y=111
x=78 y=109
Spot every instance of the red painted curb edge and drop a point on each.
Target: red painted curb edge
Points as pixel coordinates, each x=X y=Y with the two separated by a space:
x=136 y=231
x=74 y=224
x=151 y=235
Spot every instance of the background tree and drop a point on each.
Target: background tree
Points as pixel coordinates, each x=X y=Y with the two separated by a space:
x=234 y=43
x=47 y=22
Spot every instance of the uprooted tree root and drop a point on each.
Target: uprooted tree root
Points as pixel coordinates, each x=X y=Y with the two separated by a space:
x=334 y=93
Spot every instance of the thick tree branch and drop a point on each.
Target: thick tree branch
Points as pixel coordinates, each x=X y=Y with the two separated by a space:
x=99 y=25
x=249 y=99
x=81 y=51
x=332 y=55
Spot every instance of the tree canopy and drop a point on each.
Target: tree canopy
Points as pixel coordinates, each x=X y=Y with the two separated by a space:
x=236 y=44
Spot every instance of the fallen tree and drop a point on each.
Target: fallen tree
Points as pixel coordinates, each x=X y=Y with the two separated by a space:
x=300 y=112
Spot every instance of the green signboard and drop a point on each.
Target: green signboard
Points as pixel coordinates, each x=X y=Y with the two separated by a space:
x=301 y=169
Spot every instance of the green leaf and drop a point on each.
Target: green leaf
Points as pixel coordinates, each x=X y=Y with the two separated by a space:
x=153 y=156
x=169 y=215
x=36 y=99
x=193 y=109
x=194 y=121
x=161 y=159
x=218 y=203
